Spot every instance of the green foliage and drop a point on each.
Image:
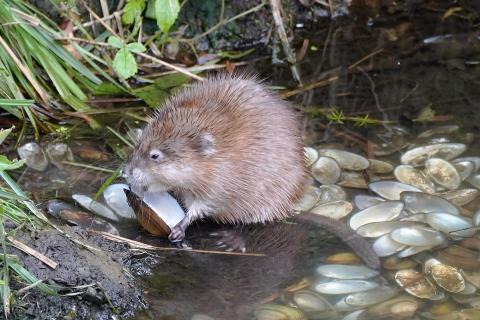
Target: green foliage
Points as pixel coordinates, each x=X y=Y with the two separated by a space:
x=124 y=62
x=6 y=164
x=155 y=94
x=132 y=10
x=166 y=12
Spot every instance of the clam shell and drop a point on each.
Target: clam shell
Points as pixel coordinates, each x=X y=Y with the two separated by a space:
x=326 y=170
x=278 y=312
x=415 y=283
x=310 y=301
x=34 y=156
x=384 y=211
x=344 y=286
x=476 y=218
x=419 y=155
x=474 y=160
x=96 y=207
x=345 y=159
x=339 y=271
x=384 y=309
x=417 y=236
x=409 y=175
x=440 y=130
x=418 y=202
x=377 y=229
x=474 y=180
x=391 y=189
x=464 y=168
x=460 y=197
x=117 y=200
x=335 y=210
x=395 y=263
x=371 y=297
x=330 y=192
x=354 y=315
x=311 y=155
x=386 y=246
x=443 y=173
x=353 y=179
x=447 y=277
x=379 y=166
x=363 y=201
x=410 y=251
x=157 y=212
x=452 y=225
x=309 y=199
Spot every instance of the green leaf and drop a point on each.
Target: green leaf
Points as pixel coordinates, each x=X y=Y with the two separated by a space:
x=16 y=102
x=166 y=12
x=5 y=133
x=132 y=10
x=115 y=42
x=124 y=64
x=136 y=47
x=6 y=164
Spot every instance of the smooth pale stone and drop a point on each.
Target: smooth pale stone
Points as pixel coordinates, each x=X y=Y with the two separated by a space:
x=418 y=202
x=95 y=207
x=117 y=200
x=417 y=236
x=344 y=286
x=419 y=155
x=342 y=271
x=384 y=211
x=345 y=159
x=33 y=155
x=391 y=190
x=386 y=246
x=452 y=225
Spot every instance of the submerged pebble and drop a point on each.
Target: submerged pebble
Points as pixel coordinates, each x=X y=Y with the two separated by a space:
x=34 y=156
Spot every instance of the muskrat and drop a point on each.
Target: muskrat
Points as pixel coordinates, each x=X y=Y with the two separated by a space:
x=231 y=151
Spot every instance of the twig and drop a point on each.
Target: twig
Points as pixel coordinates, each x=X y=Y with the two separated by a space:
x=146 y=56
x=317 y=84
x=282 y=34
x=105 y=10
x=90 y=23
x=21 y=246
x=368 y=56
x=29 y=287
x=43 y=95
x=103 y=23
x=87 y=166
x=171 y=66
x=140 y=245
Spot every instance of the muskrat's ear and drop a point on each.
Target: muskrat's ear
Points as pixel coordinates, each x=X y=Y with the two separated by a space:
x=205 y=144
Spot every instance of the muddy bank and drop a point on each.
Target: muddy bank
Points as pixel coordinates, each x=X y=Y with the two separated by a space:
x=110 y=270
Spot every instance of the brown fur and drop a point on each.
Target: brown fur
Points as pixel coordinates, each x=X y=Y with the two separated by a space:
x=227 y=141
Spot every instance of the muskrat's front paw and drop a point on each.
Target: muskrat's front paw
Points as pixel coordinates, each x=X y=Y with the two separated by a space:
x=230 y=240
x=177 y=234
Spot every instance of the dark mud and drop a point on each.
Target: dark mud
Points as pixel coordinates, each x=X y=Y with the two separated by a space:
x=114 y=292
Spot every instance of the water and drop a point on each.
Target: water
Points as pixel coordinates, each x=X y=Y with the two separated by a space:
x=397 y=71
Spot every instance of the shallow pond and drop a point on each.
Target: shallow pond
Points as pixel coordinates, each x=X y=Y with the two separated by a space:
x=409 y=75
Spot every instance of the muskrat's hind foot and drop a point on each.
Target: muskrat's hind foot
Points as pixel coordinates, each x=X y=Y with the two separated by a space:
x=178 y=232
x=230 y=240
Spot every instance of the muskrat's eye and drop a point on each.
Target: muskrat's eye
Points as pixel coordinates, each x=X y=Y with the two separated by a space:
x=156 y=155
